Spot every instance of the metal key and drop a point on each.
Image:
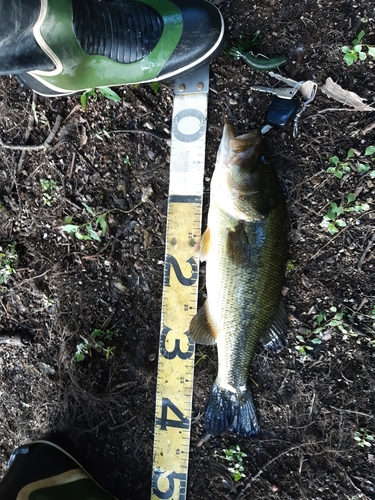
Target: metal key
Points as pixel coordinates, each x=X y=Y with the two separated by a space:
x=283 y=92
x=307 y=88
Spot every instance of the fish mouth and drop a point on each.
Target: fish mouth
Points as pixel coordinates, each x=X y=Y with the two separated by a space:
x=232 y=145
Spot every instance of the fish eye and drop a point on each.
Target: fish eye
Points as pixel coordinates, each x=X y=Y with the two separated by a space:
x=262 y=159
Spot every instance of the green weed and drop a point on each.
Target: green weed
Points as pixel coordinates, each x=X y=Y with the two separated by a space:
x=337 y=321
x=357 y=49
x=93 y=94
x=235 y=457
x=8 y=262
x=304 y=340
x=363 y=437
x=290 y=266
x=92 y=230
x=353 y=161
x=332 y=221
x=95 y=341
x=49 y=190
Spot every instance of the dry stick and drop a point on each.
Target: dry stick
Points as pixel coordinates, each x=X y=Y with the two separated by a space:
x=260 y=471
x=40 y=147
x=352 y=411
x=30 y=124
x=338 y=234
x=368 y=246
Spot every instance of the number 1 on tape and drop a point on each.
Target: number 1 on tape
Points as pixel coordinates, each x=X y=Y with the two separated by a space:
x=176 y=352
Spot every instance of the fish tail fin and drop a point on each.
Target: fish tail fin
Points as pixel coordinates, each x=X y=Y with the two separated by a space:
x=232 y=412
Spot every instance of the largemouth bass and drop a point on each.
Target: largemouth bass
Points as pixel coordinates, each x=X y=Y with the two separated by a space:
x=245 y=246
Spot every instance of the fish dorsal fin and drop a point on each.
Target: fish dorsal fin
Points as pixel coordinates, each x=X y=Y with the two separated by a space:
x=204 y=245
x=200 y=330
x=274 y=338
x=238 y=246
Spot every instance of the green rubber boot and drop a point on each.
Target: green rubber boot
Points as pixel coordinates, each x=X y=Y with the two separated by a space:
x=42 y=470
x=75 y=45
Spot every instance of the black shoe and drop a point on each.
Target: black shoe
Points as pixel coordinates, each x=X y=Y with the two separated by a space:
x=84 y=44
x=44 y=470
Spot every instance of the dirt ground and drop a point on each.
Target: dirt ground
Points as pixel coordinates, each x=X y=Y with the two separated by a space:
x=56 y=290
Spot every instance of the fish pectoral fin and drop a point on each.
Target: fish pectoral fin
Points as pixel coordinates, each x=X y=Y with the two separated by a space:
x=238 y=246
x=204 y=245
x=275 y=337
x=200 y=330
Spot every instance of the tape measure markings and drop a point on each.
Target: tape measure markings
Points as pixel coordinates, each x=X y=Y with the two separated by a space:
x=180 y=291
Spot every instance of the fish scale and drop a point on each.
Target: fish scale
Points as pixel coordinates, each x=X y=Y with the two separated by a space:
x=245 y=246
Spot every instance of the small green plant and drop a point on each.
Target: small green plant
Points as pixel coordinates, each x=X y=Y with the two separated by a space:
x=356 y=50
x=337 y=321
x=8 y=261
x=96 y=341
x=350 y=163
x=49 y=189
x=100 y=133
x=127 y=160
x=290 y=266
x=235 y=457
x=93 y=94
x=340 y=167
x=304 y=340
x=332 y=220
x=155 y=86
x=363 y=437
x=91 y=230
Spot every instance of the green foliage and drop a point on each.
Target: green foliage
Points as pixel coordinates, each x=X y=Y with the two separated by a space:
x=92 y=230
x=361 y=164
x=290 y=266
x=332 y=220
x=49 y=189
x=155 y=86
x=337 y=321
x=357 y=49
x=340 y=167
x=127 y=160
x=363 y=437
x=308 y=337
x=235 y=457
x=95 y=341
x=93 y=94
x=8 y=261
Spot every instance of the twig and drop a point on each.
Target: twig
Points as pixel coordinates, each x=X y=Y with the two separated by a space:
x=40 y=147
x=368 y=246
x=368 y=128
x=335 y=109
x=136 y=131
x=338 y=234
x=352 y=411
x=30 y=124
x=260 y=472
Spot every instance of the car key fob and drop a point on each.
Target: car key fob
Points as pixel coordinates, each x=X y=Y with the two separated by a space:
x=282 y=111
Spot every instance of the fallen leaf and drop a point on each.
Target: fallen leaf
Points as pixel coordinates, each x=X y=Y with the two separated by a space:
x=335 y=91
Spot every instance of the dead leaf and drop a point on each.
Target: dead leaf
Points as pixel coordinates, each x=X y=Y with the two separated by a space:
x=335 y=91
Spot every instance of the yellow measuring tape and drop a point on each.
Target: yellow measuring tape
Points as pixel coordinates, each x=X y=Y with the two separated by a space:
x=176 y=352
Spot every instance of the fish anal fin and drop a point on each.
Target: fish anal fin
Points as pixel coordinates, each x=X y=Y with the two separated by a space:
x=200 y=329
x=238 y=246
x=275 y=337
